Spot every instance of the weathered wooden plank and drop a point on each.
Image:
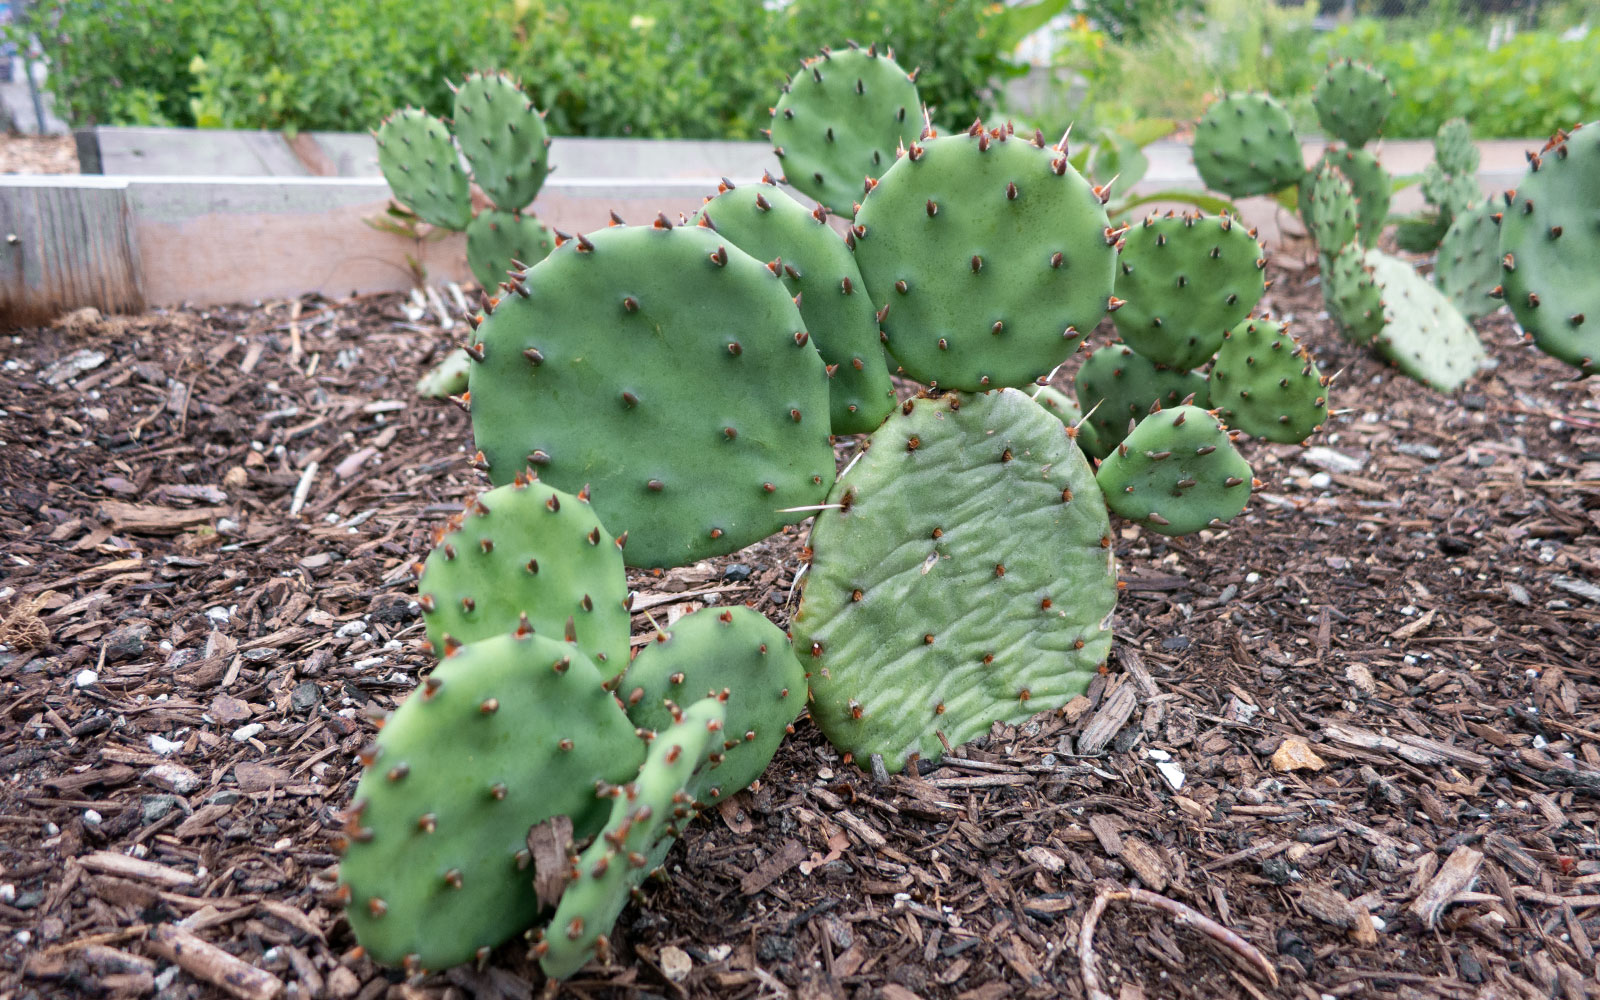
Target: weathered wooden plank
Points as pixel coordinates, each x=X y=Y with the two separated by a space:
x=62 y=247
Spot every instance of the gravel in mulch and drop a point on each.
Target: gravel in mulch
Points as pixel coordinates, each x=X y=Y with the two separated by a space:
x=1357 y=726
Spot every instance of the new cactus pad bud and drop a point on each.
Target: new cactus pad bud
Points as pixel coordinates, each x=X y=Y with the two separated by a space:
x=1176 y=472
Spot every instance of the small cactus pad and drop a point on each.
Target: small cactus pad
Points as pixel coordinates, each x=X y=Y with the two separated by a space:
x=1265 y=384
x=714 y=651
x=447 y=378
x=1468 y=267
x=1423 y=334
x=496 y=239
x=1453 y=149
x=503 y=137
x=966 y=577
x=1176 y=472
x=1370 y=184
x=1185 y=281
x=423 y=169
x=1351 y=101
x=503 y=735
x=1452 y=193
x=670 y=370
x=1246 y=144
x=988 y=256
x=1117 y=386
x=1330 y=215
x=528 y=554
x=646 y=814
x=1550 y=248
x=1065 y=409
x=839 y=121
x=1352 y=295
x=821 y=274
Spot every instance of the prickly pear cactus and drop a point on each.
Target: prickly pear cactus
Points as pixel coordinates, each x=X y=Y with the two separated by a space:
x=1352 y=295
x=423 y=169
x=1370 y=184
x=1117 y=386
x=1330 y=214
x=1453 y=149
x=503 y=136
x=965 y=577
x=1420 y=233
x=1246 y=144
x=1423 y=334
x=988 y=256
x=1351 y=101
x=1065 y=409
x=1550 y=247
x=447 y=378
x=839 y=121
x=649 y=810
x=713 y=651
x=503 y=735
x=1452 y=193
x=1176 y=472
x=1184 y=281
x=497 y=241
x=820 y=272
x=1468 y=267
x=1266 y=384
x=531 y=554
x=672 y=372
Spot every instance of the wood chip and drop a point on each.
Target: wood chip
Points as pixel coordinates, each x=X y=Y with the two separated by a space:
x=112 y=863
x=1456 y=875
x=212 y=964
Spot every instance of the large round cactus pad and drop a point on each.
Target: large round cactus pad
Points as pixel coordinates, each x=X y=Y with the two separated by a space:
x=965 y=578
x=1550 y=247
x=988 y=256
x=669 y=371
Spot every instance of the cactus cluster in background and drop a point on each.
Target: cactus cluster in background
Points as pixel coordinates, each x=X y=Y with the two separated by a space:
x=1449 y=186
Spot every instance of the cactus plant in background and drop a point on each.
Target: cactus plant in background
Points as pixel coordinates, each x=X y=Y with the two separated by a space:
x=1467 y=270
x=1550 y=248
x=420 y=162
x=1246 y=144
x=1449 y=186
x=1369 y=186
x=1351 y=101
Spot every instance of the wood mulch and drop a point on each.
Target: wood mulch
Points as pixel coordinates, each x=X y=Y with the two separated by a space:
x=1359 y=727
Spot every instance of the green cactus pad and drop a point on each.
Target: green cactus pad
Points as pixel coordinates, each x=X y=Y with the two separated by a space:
x=1550 y=246
x=528 y=553
x=1246 y=144
x=646 y=814
x=1176 y=472
x=1185 y=280
x=1351 y=101
x=1117 y=386
x=503 y=137
x=447 y=378
x=715 y=650
x=1423 y=334
x=1266 y=384
x=1065 y=409
x=503 y=735
x=670 y=370
x=1330 y=215
x=1352 y=295
x=496 y=239
x=1453 y=149
x=966 y=578
x=1468 y=267
x=1421 y=233
x=1369 y=182
x=423 y=169
x=839 y=121
x=987 y=256
x=1452 y=193
x=820 y=272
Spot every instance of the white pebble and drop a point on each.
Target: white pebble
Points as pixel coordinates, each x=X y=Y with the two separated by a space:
x=91 y=817
x=8 y=892
x=246 y=732
x=1252 y=578
x=163 y=746
x=86 y=678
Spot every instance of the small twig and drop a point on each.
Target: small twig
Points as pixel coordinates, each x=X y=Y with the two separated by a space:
x=302 y=490
x=1183 y=914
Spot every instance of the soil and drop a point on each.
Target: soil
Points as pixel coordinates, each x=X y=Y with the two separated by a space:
x=38 y=154
x=1358 y=727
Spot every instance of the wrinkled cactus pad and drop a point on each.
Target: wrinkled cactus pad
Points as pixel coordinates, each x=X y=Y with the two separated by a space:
x=988 y=256
x=1423 y=334
x=503 y=137
x=1351 y=101
x=671 y=372
x=966 y=577
x=1176 y=472
x=498 y=241
x=1245 y=145
x=1117 y=386
x=423 y=168
x=1266 y=384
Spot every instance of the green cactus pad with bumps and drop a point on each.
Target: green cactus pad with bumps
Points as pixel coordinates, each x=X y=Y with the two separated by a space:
x=1246 y=144
x=1352 y=295
x=1117 y=386
x=423 y=169
x=503 y=137
x=1265 y=384
x=820 y=272
x=715 y=650
x=1065 y=409
x=496 y=239
x=1423 y=334
x=646 y=813
x=966 y=578
x=527 y=553
x=987 y=256
x=1176 y=472
x=504 y=734
x=447 y=378
x=1452 y=193
x=1351 y=101
x=1550 y=247
x=1185 y=281
x=839 y=121
x=1468 y=268
x=1370 y=184
x=1453 y=149
x=1331 y=213
x=672 y=372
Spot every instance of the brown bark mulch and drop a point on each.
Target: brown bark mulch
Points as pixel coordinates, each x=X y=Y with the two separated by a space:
x=1359 y=727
